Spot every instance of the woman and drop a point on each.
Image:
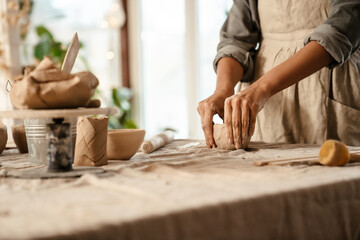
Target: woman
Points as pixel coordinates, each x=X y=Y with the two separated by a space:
x=262 y=43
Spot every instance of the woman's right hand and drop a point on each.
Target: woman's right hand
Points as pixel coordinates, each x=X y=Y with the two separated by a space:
x=229 y=73
x=207 y=108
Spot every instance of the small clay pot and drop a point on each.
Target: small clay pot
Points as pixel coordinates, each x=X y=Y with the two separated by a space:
x=19 y=136
x=3 y=137
x=122 y=144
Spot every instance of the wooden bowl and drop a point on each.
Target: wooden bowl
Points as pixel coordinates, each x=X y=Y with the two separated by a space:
x=122 y=144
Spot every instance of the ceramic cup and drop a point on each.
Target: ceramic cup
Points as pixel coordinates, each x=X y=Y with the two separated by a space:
x=122 y=144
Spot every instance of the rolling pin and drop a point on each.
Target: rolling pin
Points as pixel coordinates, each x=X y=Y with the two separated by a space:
x=157 y=141
x=332 y=153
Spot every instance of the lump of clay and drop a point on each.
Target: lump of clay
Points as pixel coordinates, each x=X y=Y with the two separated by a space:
x=94 y=103
x=19 y=136
x=219 y=133
x=48 y=87
x=90 y=148
x=3 y=137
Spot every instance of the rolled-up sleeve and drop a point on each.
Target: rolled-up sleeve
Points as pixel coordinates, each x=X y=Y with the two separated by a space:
x=239 y=36
x=340 y=33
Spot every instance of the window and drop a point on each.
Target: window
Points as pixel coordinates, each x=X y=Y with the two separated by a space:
x=178 y=41
x=163 y=64
x=101 y=43
x=172 y=47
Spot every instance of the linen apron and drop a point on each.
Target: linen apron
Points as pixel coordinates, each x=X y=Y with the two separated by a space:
x=322 y=106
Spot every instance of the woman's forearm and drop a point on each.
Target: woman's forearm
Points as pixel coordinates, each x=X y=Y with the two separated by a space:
x=305 y=62
x=229 y=73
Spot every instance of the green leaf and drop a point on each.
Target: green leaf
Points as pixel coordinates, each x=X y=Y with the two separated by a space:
x=129 y=124
x=56 y=49
x=123 y=117
x=44 y=32
x=42 y=49
x=115 y=97
x=121 y=99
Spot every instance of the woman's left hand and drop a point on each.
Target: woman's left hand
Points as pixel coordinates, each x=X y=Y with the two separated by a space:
x=240 y=112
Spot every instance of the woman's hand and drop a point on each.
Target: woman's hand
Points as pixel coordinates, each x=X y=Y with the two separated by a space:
x=240 y=113
x=229 y=73
x=207 y=109
x=241 y=109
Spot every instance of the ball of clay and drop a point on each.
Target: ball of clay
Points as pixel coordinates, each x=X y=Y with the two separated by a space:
x=94 y=103
x=333 y=153
x=3 y=137
x=219 y=133
x=19 y=136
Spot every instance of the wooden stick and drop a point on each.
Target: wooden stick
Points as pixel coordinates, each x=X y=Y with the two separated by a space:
x=268 y=161
x=71 y=54
x=354 y=157
x=308 y=160
x=169 y=155
x=314 y=161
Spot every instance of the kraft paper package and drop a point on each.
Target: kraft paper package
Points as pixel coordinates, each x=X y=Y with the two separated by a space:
x=91 y=139
x=47 y=87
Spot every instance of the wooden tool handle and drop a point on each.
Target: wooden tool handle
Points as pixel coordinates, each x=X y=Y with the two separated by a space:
x=354 y=157
x=269 y=161
x=310 y=160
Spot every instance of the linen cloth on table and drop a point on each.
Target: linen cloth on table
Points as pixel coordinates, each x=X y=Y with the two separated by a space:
x=185 y=191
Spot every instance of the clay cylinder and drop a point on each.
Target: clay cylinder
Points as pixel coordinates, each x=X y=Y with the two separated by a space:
x=91 y=141
x=157 y=141
x=19 y=136
x=3 y=137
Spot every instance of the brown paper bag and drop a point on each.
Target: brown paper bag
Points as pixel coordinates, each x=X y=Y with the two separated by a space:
x=48 y=87
x=90 y=149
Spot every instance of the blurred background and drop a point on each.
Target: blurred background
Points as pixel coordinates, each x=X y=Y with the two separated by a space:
x=153 y=57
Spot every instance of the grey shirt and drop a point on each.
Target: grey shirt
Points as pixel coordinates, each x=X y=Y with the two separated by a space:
x=241 y=33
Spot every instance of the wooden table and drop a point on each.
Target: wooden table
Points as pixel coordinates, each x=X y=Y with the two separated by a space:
x=185 y=191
